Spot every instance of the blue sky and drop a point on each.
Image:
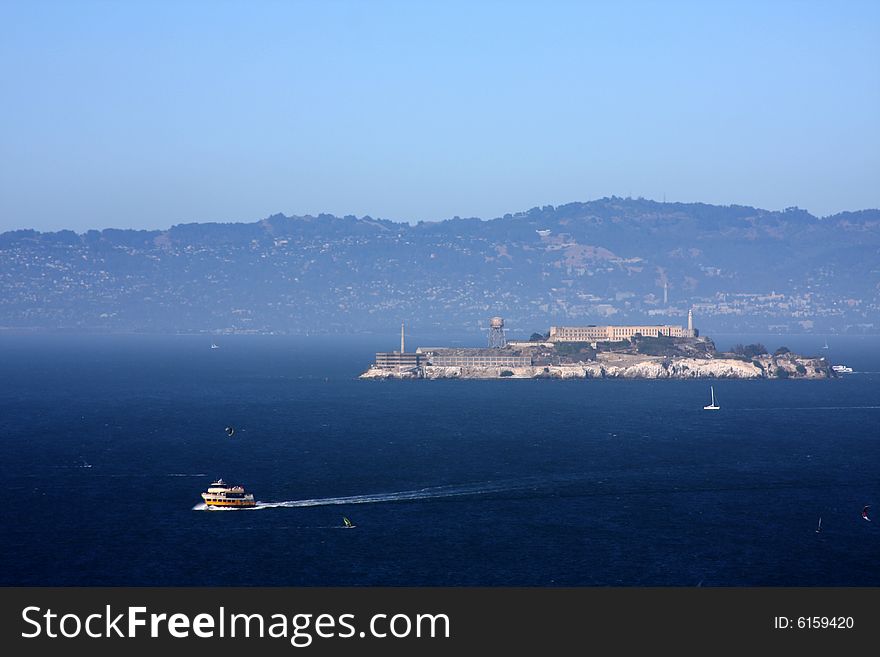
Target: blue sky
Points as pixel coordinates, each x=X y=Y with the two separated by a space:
x=130 y=114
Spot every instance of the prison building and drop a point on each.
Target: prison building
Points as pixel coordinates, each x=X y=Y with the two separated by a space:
x=594 y=333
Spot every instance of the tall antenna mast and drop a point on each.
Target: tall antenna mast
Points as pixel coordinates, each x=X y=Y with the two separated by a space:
x=401 y=337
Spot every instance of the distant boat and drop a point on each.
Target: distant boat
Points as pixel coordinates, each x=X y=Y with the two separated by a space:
x=221 y=494
x=865 y=513
x=230 y=431
x=842 y=369
x=713 y=406
x=347 y=523
x=819 y=528
x=826 y=344
x=215 y=346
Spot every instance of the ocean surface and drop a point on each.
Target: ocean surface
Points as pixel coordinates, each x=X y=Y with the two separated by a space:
x=108 y=441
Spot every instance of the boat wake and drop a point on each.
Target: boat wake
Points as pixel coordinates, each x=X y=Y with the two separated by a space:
x=432 y=492
x=554 y=485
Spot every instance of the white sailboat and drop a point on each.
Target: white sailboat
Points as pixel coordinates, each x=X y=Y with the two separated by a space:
x=826 y=344
x=713 y=406
x=215 y=346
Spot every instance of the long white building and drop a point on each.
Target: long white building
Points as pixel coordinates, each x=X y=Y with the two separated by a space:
x=611 y=333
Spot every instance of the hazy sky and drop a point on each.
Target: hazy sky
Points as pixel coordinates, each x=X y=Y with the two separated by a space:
x=147 y=114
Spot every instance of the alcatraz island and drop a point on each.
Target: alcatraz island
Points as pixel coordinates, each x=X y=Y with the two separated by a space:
x=594 y=352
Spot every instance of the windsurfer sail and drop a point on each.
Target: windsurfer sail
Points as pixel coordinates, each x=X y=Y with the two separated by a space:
x=865 y=513
x=346 y=522
x=819 y=528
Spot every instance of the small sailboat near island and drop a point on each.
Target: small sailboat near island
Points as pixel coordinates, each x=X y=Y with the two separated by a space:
x=713 y=406
x=347 y=523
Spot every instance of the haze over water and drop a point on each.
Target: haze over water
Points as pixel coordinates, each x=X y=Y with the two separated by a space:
x=108 y=441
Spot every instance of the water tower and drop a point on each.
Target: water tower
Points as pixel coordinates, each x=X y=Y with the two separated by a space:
x=496 y=333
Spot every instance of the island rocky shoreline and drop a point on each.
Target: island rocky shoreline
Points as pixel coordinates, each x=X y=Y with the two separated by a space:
x=628 y=366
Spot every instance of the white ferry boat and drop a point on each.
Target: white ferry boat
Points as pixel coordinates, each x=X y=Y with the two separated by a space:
x=841 y=369
x=222 y=494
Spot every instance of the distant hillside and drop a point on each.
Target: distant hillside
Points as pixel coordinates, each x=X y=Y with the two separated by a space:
x=608 y=260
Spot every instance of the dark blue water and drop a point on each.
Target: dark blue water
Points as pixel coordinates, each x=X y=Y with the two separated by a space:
x=449 y=482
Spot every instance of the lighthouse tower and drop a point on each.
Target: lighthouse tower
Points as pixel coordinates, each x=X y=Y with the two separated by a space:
x=690 y=322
